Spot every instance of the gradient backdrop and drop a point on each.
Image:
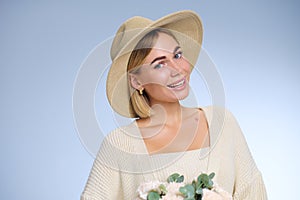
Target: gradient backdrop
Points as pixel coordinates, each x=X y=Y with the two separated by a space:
x=254 y=44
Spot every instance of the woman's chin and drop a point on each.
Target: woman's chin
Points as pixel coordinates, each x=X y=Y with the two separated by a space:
x=182 y=97
x=178 y=96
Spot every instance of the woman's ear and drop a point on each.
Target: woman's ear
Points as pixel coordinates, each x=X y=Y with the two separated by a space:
x=134 y=81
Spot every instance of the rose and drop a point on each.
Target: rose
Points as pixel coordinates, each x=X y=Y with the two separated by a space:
x=173 y=191
x=216 y=193
x=146 y=187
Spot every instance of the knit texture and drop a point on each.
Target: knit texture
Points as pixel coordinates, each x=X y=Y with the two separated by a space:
x=123 y=162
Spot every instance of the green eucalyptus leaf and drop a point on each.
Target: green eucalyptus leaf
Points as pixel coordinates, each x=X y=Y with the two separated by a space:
x=205 y=179
x=199 y=191
x=180 y=179
x=153 y=196
x=173 y=177
x=212 y=175
x=210 y=184
x=188 y=191
x=163 y=188
x=194 y=183
x=199 y=179
x=183 y=190
x=205 y=182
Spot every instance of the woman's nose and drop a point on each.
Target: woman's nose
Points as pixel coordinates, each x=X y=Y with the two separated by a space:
x=175 y=68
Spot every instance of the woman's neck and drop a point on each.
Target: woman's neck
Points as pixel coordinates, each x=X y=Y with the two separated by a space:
x=167 y=113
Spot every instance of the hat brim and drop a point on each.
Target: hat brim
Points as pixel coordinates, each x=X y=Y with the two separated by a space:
x=187 y=28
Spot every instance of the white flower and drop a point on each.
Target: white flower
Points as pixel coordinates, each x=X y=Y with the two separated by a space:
x=170 y=196
x=173 y=191
x=173 y=187
x=146 y=187
x=210 y=195
x=217 y=193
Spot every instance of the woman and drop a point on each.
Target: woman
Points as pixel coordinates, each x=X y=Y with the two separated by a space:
x=150 y=72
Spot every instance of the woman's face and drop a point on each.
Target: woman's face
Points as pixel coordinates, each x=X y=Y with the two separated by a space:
x=165 y=73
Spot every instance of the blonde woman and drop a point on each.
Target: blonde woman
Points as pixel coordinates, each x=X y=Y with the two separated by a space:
x=150 y=73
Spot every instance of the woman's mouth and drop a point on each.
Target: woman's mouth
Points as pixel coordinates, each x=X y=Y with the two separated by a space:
x=178 y=84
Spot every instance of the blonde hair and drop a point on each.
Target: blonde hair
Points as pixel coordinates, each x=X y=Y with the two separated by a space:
x=140 y=102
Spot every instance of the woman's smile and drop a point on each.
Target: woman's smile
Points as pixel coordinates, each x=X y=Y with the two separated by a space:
x=178 y=85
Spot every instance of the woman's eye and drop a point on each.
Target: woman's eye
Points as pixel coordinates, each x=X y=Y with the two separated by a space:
x=178 y=55
x=158 y=66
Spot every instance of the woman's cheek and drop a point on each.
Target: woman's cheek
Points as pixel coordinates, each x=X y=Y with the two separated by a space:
x=156 y=78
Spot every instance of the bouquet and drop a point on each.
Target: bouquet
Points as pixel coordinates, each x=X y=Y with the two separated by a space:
x=202 y=188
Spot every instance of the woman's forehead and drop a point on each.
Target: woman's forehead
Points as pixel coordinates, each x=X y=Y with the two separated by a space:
x=165 y=42
x=164 y=45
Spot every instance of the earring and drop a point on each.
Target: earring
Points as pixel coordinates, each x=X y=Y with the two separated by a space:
x=141 y=91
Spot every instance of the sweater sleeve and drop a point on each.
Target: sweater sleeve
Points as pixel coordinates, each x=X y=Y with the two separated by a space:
x=104 y=179
x=249 y=184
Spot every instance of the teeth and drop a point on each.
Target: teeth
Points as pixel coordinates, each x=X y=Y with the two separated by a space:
x=176 y=84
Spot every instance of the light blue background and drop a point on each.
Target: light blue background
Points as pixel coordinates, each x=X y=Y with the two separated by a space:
x=255 y=45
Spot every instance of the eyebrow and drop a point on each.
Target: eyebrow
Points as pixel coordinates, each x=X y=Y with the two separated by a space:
x=163 y=57
x=176 y=48
x=158 y=58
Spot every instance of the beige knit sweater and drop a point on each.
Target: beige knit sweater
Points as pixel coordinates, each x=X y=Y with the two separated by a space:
x=123 y=162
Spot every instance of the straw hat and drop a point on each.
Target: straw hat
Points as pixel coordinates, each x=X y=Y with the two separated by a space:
x=185 y=25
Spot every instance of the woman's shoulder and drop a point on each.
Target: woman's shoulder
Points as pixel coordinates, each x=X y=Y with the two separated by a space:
x=124 y=137
x=119 y=149
x=221 y=122
x=217 y=113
